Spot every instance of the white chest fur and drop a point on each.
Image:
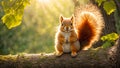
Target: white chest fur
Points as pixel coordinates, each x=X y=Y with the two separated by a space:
x=66 y=35
x=66 y=46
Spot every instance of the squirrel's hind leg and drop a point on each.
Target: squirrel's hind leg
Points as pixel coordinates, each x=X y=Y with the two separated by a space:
x=59 y=49
x=75 y=47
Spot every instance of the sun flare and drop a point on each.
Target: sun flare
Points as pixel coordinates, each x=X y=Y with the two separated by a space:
x=44 y=1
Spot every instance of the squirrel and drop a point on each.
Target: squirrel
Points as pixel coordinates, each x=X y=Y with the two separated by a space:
x=79 y=32
x=66 y=38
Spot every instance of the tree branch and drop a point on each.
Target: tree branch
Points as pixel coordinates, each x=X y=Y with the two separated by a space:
x=93 y=58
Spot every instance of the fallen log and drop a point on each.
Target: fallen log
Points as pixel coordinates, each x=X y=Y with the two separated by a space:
x=93 y=58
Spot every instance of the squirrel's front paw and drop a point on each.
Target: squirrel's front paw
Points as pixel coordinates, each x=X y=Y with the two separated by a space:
x=59 y=54
x=73 y=54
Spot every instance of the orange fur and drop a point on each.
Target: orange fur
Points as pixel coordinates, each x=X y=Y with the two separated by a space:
x=73 y=37
x=66 y=38
x=89 y=24
x=73 y=50
x=61 y=38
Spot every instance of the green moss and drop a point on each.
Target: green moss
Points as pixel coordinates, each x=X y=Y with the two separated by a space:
x=8 y=57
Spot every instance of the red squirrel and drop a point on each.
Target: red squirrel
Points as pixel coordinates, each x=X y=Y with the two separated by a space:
x=66 y=38
x=80 y=33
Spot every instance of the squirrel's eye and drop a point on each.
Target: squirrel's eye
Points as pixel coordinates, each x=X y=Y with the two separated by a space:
x=71 y=24
x=62 y=24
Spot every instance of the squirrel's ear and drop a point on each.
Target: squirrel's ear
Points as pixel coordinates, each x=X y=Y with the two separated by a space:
x=72 y=19
x=61 y=19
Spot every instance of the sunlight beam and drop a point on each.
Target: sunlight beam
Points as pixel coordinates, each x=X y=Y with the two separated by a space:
x=44 y=1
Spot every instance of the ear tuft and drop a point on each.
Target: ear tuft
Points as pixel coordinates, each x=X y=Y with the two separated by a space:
x=72 y=19
x=61 y=18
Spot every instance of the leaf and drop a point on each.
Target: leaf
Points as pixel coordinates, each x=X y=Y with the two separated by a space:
x=100 y=2
x=13 y=12
x=10 y=21
x=107 y=44
x=109 y=7
x=110 y=37
x=103 y=38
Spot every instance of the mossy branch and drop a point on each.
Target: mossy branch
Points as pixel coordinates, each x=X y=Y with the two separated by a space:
x=93 y=58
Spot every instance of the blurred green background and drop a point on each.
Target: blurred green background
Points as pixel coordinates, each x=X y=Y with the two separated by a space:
x=40 y=19
x=37 y=31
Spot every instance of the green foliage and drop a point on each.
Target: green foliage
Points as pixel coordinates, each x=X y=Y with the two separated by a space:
x=100 y=2
x=107 y=44
x=37 y=30
x=109 y=39
x=109 y=6
x=13 y=10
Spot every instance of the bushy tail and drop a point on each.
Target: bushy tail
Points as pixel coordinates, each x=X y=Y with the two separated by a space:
x=89 y=24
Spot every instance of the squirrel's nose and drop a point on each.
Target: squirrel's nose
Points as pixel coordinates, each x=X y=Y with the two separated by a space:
x=67 y=28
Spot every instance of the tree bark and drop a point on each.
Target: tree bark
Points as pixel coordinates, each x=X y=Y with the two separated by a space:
x=114 y=54
x=93 y=58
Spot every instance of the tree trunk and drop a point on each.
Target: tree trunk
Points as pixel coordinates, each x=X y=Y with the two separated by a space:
x=114 y=54
x=109 y=23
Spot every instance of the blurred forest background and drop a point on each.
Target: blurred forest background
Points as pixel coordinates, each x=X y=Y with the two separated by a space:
x=37 y=30
x=40 y=19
